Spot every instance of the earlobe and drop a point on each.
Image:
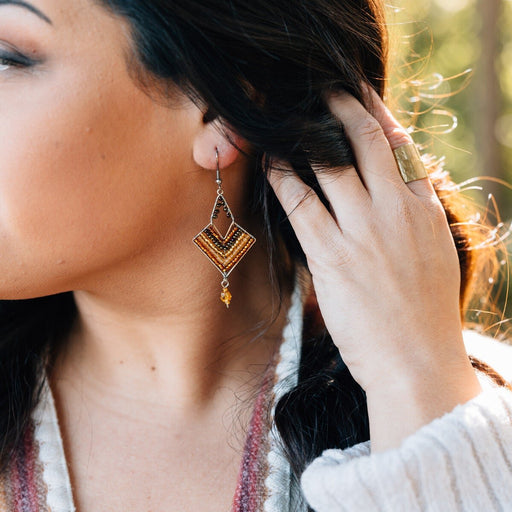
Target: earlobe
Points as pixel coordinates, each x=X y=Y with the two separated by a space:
x=212 y=137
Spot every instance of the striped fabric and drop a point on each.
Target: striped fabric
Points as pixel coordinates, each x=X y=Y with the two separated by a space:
x=250 y=495
x=22 y=488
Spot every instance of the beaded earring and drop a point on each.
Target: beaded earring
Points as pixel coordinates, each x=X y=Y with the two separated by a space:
x=224 y=251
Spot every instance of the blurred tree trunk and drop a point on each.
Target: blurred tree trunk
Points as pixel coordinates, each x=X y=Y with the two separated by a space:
x=489 y=98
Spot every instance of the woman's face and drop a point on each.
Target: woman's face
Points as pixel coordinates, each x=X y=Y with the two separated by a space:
x=88 y=161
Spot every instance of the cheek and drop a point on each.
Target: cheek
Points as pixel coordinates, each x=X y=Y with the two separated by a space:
x=76 y=182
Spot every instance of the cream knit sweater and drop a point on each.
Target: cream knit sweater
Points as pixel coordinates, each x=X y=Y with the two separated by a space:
x=459 y=462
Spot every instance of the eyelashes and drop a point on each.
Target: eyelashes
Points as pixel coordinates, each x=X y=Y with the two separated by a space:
x=8 y=61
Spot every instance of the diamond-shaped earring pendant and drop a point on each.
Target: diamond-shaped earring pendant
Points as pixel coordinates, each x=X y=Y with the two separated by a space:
x=224 y=251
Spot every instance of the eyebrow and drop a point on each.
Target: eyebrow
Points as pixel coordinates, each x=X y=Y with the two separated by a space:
x=28 y=6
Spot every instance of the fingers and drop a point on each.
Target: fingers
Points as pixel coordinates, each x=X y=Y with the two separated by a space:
x=345 y=192
x=373 y=137
x=310 y=219
x=397 y=136
x=394 y=132
x=350 y=192
x=372 y=150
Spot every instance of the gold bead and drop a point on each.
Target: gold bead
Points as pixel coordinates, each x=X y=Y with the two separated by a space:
x=225 y=296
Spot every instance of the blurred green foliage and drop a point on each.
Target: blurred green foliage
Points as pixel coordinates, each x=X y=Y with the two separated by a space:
x=451 y=79
x=441 y=38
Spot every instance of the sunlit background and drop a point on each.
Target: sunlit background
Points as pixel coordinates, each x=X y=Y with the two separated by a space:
x=452 y=63
x=469 y=43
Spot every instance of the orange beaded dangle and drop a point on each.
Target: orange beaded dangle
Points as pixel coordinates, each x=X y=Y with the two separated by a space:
x=224 y=251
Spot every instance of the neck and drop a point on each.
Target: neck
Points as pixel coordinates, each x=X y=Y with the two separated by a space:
x=167 y=338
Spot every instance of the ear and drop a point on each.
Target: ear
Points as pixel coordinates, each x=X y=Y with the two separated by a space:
x=212 y=136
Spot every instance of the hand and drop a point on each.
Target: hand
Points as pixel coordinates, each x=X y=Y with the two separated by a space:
x=385 y=272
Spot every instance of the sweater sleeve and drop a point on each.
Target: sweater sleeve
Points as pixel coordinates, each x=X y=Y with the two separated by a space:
x=461 y=461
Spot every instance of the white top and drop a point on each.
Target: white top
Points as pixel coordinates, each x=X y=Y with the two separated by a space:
x=51 y=454
x=460 y=462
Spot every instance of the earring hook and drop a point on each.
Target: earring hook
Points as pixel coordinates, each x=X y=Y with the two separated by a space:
x=218 y=180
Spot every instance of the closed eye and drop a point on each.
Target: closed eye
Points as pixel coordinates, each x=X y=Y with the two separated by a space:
x=8 y=61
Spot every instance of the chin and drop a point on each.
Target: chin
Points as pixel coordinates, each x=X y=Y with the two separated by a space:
x=21 y=288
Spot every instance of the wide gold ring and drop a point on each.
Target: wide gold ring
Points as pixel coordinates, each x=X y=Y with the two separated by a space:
x=409 y=163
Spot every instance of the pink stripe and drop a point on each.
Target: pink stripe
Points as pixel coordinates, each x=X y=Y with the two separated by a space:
x=16 y=485
x=30 y=459
x=248 y=496
x=22 y=476
x=254 y=454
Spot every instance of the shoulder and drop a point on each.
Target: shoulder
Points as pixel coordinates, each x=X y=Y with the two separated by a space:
x=496 y=353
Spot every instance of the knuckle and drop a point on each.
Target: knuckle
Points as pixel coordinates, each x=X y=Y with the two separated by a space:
x=368 y=127
x=410 y=211
x=300 y=199
x=438 y=216
x=436 y=209
x=332 y=255
x=398 y=137
x=406 y=211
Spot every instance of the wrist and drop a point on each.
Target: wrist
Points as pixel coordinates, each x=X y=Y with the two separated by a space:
x=402 y=405
x=411 y=361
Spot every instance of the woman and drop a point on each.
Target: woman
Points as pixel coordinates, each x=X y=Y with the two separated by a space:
x=135 y=133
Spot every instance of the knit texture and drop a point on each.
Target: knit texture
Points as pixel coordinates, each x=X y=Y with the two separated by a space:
x=283 y=492
x=250 y=495
x=22 y=488
x=461 y=461
x=264 y=483
x=51 y=454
